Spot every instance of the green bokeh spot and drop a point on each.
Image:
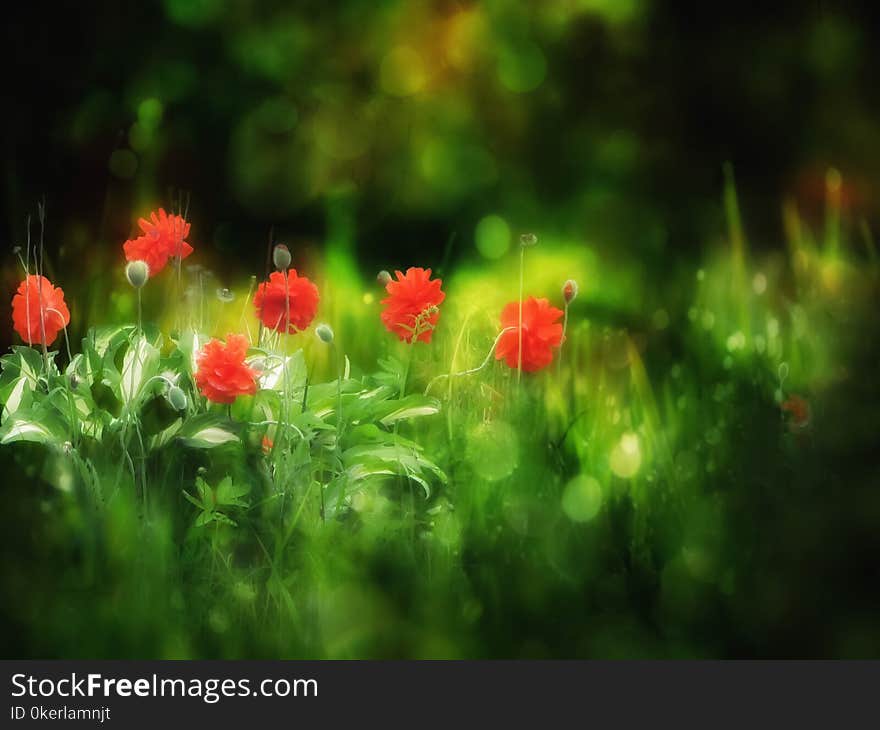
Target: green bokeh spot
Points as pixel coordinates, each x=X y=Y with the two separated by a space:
x=492 y=237
x=493 y=450
x=403 y=72
x=582 y=498
x=522 y=67
x=150 y=112
x=192 y=13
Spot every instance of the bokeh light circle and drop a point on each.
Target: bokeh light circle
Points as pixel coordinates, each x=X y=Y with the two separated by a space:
x=626 y=456
x=582 y=498
x=492 y=237
x=493 y=450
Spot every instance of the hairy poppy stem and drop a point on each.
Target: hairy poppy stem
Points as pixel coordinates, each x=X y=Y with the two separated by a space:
x=337 y=354
x=140 y=321
x=562 y=341
x=74 y=421
x=409 y=359
x=339 y=422
x=38 y=265
x=471 y=371
x=522 y=256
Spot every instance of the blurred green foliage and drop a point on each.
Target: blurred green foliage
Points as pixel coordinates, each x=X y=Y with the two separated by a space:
x=651 y=495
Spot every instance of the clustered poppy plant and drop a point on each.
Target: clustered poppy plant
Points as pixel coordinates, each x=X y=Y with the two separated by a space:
x=541 y=332
x=287 y=302
x=164 y=237
x=36 y=300
x=412 y=305
x=222 y=374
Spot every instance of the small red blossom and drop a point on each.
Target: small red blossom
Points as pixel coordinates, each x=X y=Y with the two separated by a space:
x=164 y=238
x=286 y=298
x=798 y=409
x=222 y=374
x=36 y=300
x=412 y=305
x=541 y=332
x=267 y=445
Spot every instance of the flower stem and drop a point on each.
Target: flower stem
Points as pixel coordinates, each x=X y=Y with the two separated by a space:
x=562 y=341
x=74 y=422
x=522 y=256
x=409 y=359
x=38 y=264
x=336 y=353
x=339 y=425
x=471 y=371
x=140 y=321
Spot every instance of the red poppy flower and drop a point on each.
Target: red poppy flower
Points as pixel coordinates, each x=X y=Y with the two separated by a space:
x=164 y=238
x=412 y=304
x=222 y=374
x=276 y=300
x=540 y=334
x=37 y=299
x=267 y=444
x=798 y=409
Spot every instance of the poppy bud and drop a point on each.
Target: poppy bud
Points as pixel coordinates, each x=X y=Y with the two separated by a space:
x=137 y=273
x=225 y=295
x=324 y=333
x=176 y=398
x=383 y=277
x=528 y=239
x=570 y=291
x=281 y=257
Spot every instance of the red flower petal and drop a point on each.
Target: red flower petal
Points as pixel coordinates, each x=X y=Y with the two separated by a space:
x=541 y=332
x=37 y=299
x=408 y=300
x=276 y=300
x=222 y=374
x=164 y=238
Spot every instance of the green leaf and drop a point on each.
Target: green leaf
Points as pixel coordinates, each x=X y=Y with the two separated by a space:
x=413 y=406
x=24 y=430
x=193 y=500
x=205 y=493
x=370 y=433
x=391 y=373
x=141 y=362
x=209 y=437
x=189 y=343
x=204 y=518
x=165 y=436
x=17 y=397
x=22 y=370
x=370 y=460
x=229 y=494
x=208 y=431
x=37 y=426
x=275 y=372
